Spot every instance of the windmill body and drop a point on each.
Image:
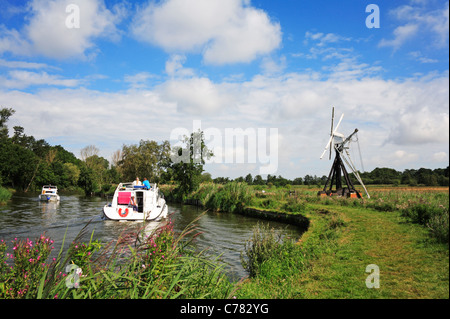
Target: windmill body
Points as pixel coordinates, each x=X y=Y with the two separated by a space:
x=338 y=175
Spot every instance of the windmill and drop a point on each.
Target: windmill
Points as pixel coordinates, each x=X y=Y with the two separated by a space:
x=340 y=144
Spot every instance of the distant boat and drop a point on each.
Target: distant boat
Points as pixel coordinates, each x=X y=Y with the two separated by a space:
x=49 y=193
x=131 y=202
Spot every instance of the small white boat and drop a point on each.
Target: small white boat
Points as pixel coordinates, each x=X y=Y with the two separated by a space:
x=131 y=202
x=49 y=193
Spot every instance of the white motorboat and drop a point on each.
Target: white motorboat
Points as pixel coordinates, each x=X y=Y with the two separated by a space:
x=49 y=193
x=131 y=202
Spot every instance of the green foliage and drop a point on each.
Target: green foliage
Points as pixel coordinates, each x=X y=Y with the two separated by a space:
x=29 y=257
x=260 y=248
x=82 y=253
x=231 y=197
x=434 y=217
x=148 y=159
x=188 y=163
x=294 y=204
x=157 y=265
x=5 y=195
x=265 y=255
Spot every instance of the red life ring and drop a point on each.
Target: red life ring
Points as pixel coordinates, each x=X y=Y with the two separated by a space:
x=125 y=212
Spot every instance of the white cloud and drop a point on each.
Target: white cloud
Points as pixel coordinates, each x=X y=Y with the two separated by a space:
x=223 y=31
x=174 y=66
x=426 y=125
x=20 y=79
x=193 y=95
x=46 y=32
x=401 y=35
x=418 y=56
x=138 y=80
x=24 y=65
x=432 y=24
x=322 y=39
x=440 y=157
x=401 y=123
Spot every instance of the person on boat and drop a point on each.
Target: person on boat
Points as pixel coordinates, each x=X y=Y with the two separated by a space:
x=133 y=203
x=137 y=182
x=146 y=183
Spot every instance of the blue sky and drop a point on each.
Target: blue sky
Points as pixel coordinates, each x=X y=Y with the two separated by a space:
x=140 y=69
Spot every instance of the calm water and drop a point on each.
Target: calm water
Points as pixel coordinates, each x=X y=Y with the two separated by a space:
x=26 y=217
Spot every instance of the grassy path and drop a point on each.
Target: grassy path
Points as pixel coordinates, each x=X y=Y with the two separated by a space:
x=410 y=265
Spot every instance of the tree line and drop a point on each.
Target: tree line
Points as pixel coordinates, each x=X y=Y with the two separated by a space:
x=27 y=163
x=386 y=176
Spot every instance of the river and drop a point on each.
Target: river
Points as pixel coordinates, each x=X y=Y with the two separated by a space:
x=24 y=216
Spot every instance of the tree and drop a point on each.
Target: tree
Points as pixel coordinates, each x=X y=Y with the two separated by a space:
x=258 y=180
x=88 y=151
x=148 y=159
x=5 y=114
x=86 y=180
x=187 y=163
x=249 y=179
x=71 y=173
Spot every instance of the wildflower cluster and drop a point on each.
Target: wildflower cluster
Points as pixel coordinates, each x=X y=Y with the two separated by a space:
x=28 y=264
x=158 y=250
x=81 y=253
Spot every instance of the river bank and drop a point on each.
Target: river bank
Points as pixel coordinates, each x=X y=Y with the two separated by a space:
x=403 y=231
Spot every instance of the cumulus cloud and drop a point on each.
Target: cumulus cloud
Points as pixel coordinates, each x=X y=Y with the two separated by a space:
x=401 y=35
x=223 y=31
x=47 y=34
x=197 y=95
x=418 y=19
x=423 y=126
x=394 y=118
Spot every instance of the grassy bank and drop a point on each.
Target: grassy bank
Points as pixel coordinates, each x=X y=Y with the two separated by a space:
x=5 y=195
x=402 y=230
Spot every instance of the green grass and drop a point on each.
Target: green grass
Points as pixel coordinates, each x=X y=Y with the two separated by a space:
x=5 y=195
x=341 y=242
x=403 y=230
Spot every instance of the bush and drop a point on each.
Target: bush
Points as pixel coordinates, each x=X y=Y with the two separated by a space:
x=266 y=255
x=439 y=227
x=435 y=217
x=258 y=249
x=5 y=195
x=294 y=204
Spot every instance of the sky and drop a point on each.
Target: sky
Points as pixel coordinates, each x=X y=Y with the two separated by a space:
x=109 y=73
